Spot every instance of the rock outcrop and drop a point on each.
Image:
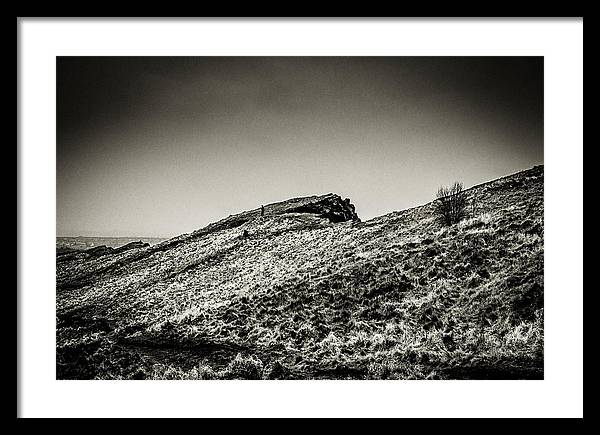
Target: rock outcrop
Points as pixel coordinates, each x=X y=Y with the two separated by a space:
x=331 y=207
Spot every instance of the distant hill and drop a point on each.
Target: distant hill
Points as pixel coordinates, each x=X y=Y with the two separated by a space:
x=308 y=291
x=65 y=244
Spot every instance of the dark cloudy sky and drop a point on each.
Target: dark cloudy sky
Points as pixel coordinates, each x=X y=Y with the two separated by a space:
x=159 y=146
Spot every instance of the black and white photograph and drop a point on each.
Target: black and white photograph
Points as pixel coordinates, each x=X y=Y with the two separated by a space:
x=300 y=218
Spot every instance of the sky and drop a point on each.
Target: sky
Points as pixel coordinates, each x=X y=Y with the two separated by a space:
x=160 y=146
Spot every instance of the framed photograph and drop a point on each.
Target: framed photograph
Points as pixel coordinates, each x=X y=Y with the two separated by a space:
x=277 y=217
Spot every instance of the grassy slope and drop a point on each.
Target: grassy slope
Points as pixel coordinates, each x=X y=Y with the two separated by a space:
x=398 y=296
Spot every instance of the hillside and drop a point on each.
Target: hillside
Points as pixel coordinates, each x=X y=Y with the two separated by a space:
x=311 y=292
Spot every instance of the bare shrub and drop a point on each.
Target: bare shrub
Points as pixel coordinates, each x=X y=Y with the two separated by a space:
x=451 y=204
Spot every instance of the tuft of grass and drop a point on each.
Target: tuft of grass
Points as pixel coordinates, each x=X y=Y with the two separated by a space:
x=244 y=367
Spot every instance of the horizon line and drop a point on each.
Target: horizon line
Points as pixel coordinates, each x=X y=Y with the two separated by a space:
x=308 y=196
